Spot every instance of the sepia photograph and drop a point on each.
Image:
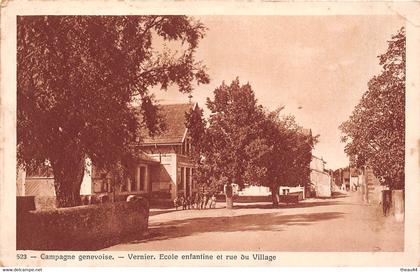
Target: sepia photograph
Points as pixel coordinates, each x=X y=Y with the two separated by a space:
x=196 y=134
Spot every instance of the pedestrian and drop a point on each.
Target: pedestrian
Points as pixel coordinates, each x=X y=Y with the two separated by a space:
x=210 y=202
x=189 y=202
x=176 y=203
x=200 y=201
x=213 y=201
x=196 y=200
x=182 y=202
x=204 y=201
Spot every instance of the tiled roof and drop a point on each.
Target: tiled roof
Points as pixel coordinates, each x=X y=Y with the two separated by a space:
x=174 y=116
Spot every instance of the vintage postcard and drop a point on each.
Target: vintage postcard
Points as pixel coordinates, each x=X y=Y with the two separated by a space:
x=207 y=133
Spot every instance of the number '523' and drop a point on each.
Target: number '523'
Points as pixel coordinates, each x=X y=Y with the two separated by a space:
x=20 y=256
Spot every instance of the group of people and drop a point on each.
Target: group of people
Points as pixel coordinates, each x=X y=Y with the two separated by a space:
x=199 y=202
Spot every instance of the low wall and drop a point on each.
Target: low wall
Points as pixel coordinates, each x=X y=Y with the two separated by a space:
x=290 y=198
x=25 y=203
x=393 y=203
x=81 y=228
x=300 y=194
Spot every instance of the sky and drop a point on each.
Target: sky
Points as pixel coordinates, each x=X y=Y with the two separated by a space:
x=316 y=66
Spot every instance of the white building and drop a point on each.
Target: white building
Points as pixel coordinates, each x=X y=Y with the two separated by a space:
x=320 y=179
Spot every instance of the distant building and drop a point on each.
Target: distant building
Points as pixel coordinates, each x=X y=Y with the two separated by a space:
x=253 y=190
x=40 y=182
x=354 y=179
x=348 y=179
x=320 y=178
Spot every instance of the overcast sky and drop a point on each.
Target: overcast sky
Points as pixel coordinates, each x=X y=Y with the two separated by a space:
x=317 y=67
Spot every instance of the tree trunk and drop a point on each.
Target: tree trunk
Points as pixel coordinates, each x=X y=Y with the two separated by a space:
x=275 y=196
x=68 y=176
x=229 y=196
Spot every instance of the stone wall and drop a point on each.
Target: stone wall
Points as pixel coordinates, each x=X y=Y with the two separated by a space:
x=88 y=227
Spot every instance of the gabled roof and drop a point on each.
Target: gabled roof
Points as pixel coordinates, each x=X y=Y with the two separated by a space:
x=174 y=116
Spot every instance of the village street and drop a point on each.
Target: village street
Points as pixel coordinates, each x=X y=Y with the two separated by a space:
x=342 y=223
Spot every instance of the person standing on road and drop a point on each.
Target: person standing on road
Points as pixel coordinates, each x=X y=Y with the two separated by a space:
x=196 y=200
x=213 y=202
x=176 y=203
x=189 y=202
x=183 y=202
x=204 y=201
x=200 y=200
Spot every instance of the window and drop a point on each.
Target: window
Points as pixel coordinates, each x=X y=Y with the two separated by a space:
x=188 y=178
x=102 y=185
x=187 y=148
x=123 y=187
x=97 y=186
x=133 y=183
x=180 y=184
x=105 y=186
x=142 y=178
x=192 y=178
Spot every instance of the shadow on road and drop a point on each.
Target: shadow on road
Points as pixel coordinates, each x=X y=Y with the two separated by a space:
x=338 y=195
x=285 y=206
x=267 y=205
x=249 y=222
x=152 y=213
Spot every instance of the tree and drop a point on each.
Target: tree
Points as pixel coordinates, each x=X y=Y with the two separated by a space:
x=282 y=155
x=77 y=78
x=244 y=144
x=232 y=127
x=196 y=125
x=302 y=144
x=374 y=133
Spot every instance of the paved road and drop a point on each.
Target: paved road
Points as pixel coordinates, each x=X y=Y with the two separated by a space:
x=343 y=223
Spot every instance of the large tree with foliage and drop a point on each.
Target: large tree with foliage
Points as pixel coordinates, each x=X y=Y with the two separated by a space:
x=244 y=144
x=196 y=124
x=375 y=131
x=232 y=127
x=281 y=155
x=77 y=78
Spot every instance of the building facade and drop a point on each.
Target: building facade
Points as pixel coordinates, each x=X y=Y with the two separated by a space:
x=172 y=149
x=163 y=169
x=320 y=178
